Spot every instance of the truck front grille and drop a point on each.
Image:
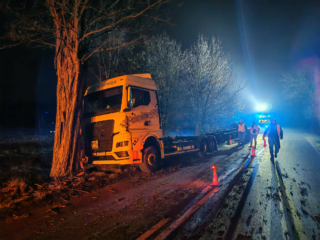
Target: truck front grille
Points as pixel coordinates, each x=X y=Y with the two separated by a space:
x=101 y=131
x=105 y=145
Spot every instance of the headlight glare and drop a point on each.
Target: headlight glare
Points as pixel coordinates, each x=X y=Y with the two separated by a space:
x=95 y=144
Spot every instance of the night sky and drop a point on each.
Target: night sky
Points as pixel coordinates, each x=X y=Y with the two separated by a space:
x=263 y=38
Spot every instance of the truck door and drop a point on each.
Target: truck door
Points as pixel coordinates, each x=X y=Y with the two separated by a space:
x=144 y=111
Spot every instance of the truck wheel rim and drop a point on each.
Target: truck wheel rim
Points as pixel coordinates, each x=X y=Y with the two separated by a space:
x=152 y=159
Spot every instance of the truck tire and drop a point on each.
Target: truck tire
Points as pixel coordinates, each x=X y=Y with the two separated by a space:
x=203 y=148
x=212 y=145
x=150 y=160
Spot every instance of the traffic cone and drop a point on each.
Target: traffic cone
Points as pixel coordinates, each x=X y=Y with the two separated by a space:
x=253 y=152
x=215 y=181
x=264 y=144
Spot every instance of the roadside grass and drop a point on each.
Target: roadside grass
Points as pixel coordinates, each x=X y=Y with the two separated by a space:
x=24 y=162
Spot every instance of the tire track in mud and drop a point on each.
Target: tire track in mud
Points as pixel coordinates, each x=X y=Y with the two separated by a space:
x=202 y=225
x=237 y=214
x=202 y=214
x=287 y=208
x=226 y=223
x=242 y=187
x=235 y=159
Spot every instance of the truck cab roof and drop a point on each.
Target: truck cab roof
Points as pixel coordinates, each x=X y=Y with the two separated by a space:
x=137 y=80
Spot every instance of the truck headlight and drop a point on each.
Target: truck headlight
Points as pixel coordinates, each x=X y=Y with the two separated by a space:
x=122 y=144
x=95 y=144
x=122 y=154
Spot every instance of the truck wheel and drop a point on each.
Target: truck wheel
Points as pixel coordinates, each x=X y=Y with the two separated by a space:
x=203 y=148
x=212 y=145
x=150 y=160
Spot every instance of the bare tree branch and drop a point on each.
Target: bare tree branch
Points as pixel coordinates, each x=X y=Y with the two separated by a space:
x=123 y=19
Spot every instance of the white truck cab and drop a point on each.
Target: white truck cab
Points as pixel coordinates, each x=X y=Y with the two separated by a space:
x=121 y=125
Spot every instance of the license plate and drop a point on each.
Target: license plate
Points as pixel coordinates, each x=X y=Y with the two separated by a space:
x=95 y=144
x=100 y=154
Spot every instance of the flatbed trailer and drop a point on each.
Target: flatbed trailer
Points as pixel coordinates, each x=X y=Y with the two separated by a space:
x=227 y=135
x=181 y=144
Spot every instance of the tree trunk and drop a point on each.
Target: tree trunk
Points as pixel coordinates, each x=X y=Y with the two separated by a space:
x=69 y=95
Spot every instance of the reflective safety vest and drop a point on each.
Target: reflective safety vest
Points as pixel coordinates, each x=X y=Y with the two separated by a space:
x=241 y=127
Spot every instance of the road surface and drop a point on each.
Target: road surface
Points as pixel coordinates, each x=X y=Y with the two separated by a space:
x=254 y=200
x=280 y=201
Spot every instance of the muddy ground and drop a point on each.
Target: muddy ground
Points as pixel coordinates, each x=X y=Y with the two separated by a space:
x=125 y=204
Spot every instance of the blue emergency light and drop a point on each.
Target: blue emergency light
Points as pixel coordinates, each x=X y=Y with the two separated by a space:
x=261 y=107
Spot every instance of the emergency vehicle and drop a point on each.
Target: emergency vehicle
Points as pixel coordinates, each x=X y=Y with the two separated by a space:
x=264 y=119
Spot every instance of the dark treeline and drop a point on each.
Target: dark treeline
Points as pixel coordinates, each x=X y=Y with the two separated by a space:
x=301 y=89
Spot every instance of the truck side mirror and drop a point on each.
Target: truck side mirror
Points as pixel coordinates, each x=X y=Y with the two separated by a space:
x=129 y=104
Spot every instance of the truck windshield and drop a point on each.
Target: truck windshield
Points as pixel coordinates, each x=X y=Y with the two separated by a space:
x=102 y=102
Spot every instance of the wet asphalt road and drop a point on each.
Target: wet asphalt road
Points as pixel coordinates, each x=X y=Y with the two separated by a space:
x=283 y=198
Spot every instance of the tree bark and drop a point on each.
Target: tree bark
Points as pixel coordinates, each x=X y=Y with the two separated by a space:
x=69 y=90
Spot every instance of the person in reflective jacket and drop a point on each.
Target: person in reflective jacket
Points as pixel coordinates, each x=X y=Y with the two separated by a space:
x=254 y=132
x=274 y=134
x=242 y=128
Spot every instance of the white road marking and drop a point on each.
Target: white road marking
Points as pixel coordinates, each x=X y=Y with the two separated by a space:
x=312 y=145
x=206 y=189
x=163 y=235
x=261 y=151
x=153 y=229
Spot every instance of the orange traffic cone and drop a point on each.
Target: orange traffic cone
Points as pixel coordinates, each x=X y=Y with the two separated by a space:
x=253 y=152
x=264 y=144
x=215 y=181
